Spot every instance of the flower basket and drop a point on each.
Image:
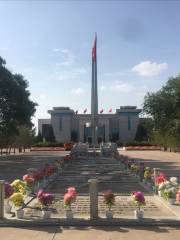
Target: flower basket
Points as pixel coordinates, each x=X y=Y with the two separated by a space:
x=160 y=193
x=138 y=214
x=19 y=213
x=7 y=206
x=18 y=201
x=171 y=201
x=109 y=200
x=109 y=214
x=45 y=200
x=46 y=214
x=69 y=198
x=139 y=200
x=69 y=214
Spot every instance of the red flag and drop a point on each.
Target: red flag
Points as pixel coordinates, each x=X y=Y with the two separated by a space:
x=94 y=49
x=85 y=110
x=110 y=110
x=101 y=111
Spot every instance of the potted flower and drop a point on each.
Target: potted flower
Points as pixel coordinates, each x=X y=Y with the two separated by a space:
x=18 y=186
x=8 y=189
x=159 y=180
x=139 y=200
x=178 y=197
x=29 y=184
x=69 y=198
x=109 y=200
x=170 y=194
x=18 y=201
x=147 y=175
x=45 y=200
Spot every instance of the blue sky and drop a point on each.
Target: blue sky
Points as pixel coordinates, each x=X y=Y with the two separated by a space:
x=50 y=43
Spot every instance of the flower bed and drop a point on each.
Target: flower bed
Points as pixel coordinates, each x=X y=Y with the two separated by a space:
x=31 y=184
x=140 y=148
x=44 y=149
x=169 y=189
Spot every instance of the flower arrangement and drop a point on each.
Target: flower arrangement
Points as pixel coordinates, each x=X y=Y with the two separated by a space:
x=18 y=186
x=69 y=197
x=160 y=178
x=109 y=199
x=45 y=199
x=138 y=199
x=147 y=174
x=8 y=189
x=29 y=182
x=17 y=199
x=178 y=196
x=169 y=193
x=134 y=168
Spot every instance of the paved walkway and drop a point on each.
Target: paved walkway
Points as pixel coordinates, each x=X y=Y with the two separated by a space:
x=15 y=166
x=167 y=161
x=89 y=233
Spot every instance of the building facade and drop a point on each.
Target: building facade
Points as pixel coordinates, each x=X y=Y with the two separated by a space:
x=94 y=128
x=68 y=126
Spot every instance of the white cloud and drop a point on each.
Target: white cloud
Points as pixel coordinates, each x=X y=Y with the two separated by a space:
x=149 y=69
x=122 y=87
x=77 y=91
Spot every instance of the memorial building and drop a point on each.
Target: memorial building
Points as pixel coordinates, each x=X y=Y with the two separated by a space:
x=67 y=125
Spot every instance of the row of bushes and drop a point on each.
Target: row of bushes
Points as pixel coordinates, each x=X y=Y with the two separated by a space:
x=48 y=144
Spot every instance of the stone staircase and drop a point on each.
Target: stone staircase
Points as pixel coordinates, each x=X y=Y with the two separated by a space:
x=107 y=170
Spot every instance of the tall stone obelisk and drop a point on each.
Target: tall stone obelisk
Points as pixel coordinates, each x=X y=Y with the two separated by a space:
x=94 y=94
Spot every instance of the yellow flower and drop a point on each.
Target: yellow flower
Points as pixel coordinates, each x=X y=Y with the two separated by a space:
x=18 y=185
x=17 y=199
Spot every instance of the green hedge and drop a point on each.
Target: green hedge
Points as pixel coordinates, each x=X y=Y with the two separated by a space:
x=48 y=144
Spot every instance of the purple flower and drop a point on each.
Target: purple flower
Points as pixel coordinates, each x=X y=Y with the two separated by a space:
x=139 y=197
x=8 y=190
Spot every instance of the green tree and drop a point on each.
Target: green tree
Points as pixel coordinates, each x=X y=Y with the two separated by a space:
x=16 y=108
x=164 y=107
x=144 y=130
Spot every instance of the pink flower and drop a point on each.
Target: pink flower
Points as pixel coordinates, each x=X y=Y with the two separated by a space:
x=139 y=197
x=25 y=177
x=178 y=196
x=72 y=191
x=40 y=193
x=68 y=199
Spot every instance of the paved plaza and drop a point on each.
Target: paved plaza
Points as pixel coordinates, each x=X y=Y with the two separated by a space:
x=111 y=176
x=166 y=161
x=109 y=173
x=89 y=233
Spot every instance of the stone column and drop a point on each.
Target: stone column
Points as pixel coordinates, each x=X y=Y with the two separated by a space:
x=81 y=131
x=1 y=199
x=93 y=191
x=155 y=175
